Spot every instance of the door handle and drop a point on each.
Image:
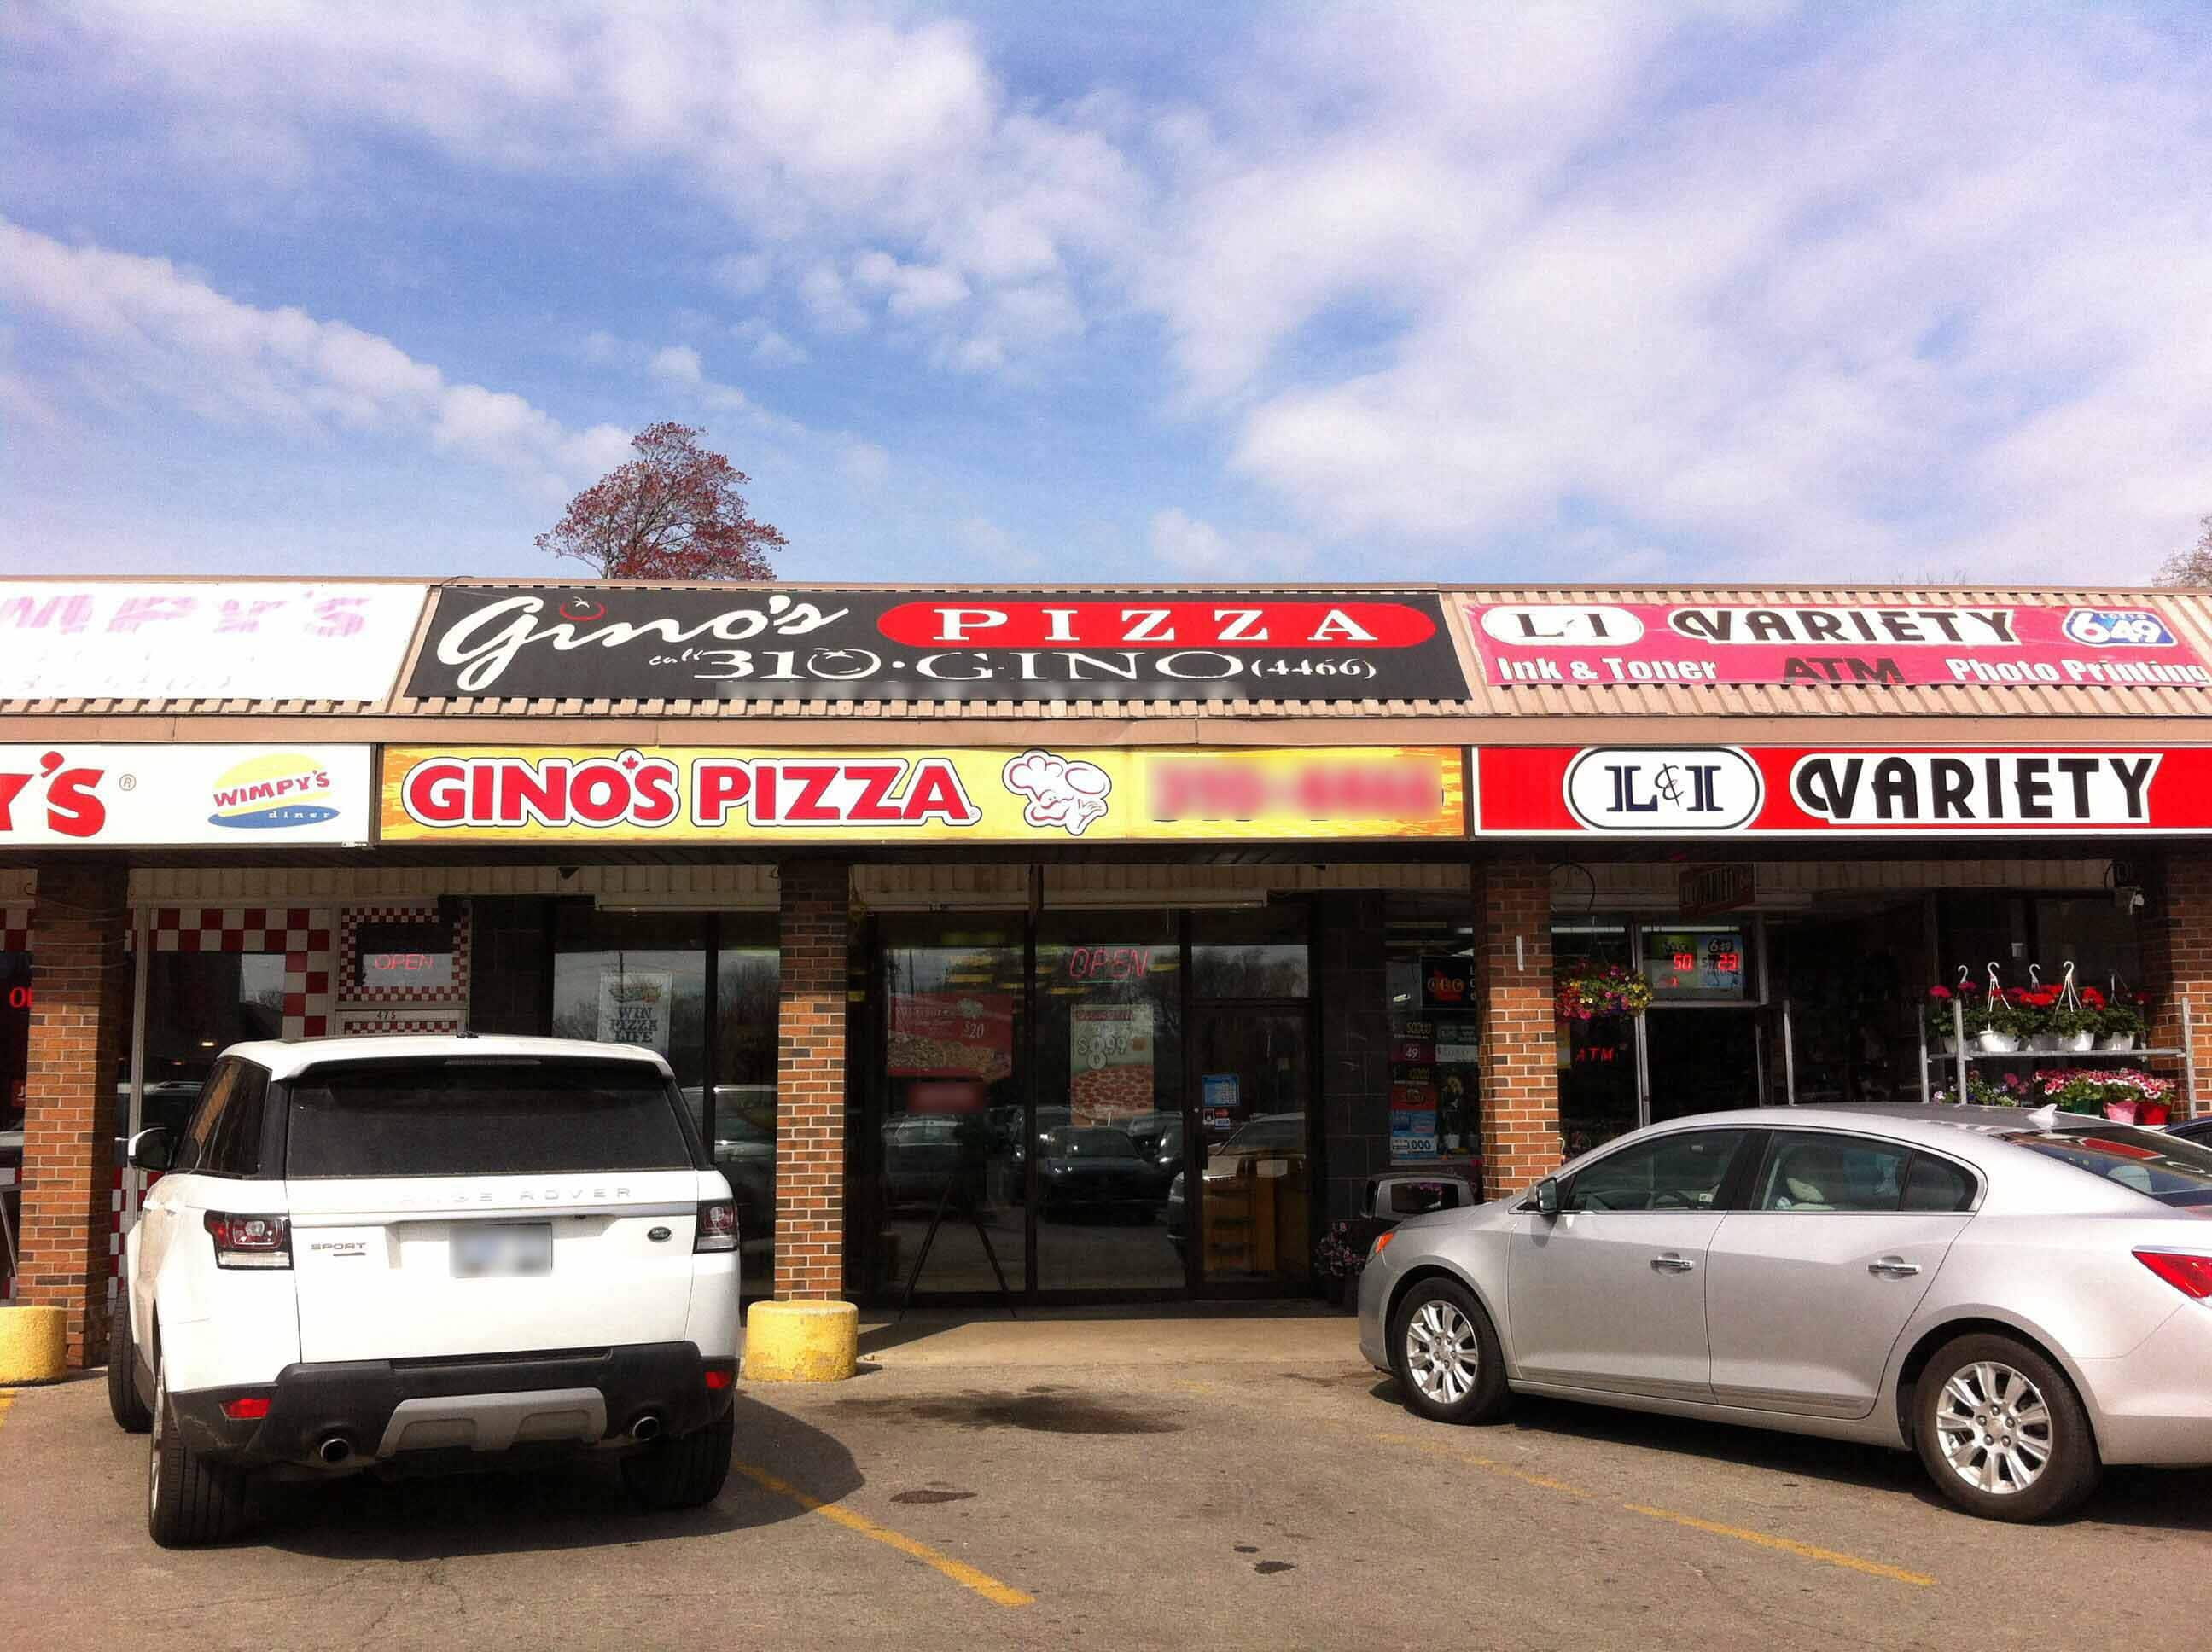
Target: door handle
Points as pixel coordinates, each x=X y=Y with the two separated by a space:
x=1894 y=1267
x=1668 y=1262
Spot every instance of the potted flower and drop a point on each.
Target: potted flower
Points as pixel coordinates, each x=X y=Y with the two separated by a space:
x=2073 y=1023
x=1340 y=1254
x=2124 y=1020
x=2122 y=1095
x=1590 y=991
x=1940 y=1015
x=1997 y=1023
x=2010 y=1090
x=2035 y=1007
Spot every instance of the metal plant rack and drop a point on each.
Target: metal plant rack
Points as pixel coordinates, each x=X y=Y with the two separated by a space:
x=1963 y=1058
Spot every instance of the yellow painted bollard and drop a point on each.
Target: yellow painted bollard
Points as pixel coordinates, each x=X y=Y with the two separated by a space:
x=802 y=1341
x=34 y=1345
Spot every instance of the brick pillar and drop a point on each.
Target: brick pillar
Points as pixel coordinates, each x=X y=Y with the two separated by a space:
x=2177 y=954
x=810 y=1081
x=1520 y=1072
x=80 y=1010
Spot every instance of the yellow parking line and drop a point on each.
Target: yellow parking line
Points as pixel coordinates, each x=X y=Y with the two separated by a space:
x=1787 y=1545
x=1741 y=1534
x=998 y=1594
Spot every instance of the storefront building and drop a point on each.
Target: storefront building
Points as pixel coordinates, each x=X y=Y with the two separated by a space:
x=1066 y=945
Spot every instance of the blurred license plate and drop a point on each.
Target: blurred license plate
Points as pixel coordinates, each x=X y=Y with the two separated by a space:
x=496 y=1250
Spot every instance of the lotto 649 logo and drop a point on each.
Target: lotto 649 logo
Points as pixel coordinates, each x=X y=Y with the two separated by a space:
x=2127 y=628
x=68 y=795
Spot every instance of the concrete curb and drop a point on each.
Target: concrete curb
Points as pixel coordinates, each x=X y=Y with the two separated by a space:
x=802 y=1341
x=34 y=1345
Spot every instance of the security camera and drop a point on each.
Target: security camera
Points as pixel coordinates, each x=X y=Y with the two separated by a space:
x=2127 y=898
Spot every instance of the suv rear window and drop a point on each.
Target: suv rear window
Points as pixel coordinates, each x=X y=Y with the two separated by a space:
x=482 y=1116
x=2152 y=1162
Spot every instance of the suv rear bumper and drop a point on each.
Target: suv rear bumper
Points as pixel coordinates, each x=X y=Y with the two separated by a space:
x=483 y=1397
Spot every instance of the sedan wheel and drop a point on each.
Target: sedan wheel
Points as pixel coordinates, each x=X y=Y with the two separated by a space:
x=1448 y=1358
x=2000 y=1429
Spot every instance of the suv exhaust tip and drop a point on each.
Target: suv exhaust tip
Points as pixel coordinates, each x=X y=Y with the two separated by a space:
x=647 y=1427
x=336 y=1450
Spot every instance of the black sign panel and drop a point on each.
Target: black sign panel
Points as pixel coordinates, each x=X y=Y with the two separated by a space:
x=757 y=642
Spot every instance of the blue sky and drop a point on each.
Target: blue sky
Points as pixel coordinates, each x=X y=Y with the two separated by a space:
x=1115 y=290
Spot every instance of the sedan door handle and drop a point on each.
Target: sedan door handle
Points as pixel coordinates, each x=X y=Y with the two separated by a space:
x=1894 y=1267
x=1668 y=1262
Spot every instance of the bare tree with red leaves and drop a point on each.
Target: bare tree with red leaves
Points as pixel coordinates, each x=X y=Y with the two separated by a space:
x=673 y=513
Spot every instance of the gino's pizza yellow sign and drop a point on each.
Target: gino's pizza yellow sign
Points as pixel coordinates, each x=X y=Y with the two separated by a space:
x=516 y=794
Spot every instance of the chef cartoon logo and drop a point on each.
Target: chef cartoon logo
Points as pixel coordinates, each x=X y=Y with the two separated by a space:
x=1058 y=791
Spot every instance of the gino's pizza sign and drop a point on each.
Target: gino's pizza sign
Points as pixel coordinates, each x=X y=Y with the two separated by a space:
x=740 y=642
x=1843 y=791
x=674 y=795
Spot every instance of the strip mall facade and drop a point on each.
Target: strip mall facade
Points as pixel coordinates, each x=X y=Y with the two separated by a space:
x=1076 y=945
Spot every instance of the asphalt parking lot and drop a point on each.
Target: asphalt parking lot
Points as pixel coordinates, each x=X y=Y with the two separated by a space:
x=1257 y=1488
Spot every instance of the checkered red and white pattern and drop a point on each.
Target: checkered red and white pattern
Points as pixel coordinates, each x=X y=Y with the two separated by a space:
x=302 y=934
x=15 y=929
x=408 y=912
x=115 y=1202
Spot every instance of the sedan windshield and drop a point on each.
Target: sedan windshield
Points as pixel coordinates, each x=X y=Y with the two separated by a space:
x=2152 y=1163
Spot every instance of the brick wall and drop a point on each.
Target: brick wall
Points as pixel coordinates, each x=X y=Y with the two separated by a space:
x=809 y=1120
x=2177 y=952
x=80 y=1009
x=1520 y=1075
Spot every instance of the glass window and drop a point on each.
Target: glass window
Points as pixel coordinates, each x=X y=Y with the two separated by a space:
x=215 y=1096
x=233 y=1141
x=1597 y=1058
x=1429 y=973
x=746 y=977
x=1255 y=953
x=634 y=978
x=197 y=1004
x=1935 y=1184
x=2151 y=1163
x=14 y=1036
x=953 y=1132
x=1816 y=1171
x=478 y=1117
x=1109 y=1052
x=1677 y=1172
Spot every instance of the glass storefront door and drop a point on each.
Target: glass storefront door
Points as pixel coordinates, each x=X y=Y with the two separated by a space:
x=1109 y=1124
x=1099 y=1103
x=1253 y=1218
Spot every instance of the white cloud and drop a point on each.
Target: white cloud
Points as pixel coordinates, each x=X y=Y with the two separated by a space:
x=822 y=290
x=911 y=288
x=1191 y=549
x=143 y=326
x=864 y=462
x=766 y=344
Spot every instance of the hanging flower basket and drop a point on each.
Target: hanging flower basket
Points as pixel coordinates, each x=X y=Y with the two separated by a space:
x=1591 y=992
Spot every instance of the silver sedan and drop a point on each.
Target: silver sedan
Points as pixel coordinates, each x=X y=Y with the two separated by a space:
x=2021 y=1298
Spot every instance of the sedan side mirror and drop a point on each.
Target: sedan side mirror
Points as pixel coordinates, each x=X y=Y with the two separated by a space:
x=1543 y=1198
x=149 y=1150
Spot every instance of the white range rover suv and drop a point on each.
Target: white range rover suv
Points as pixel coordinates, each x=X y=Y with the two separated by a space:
x=402 y=1254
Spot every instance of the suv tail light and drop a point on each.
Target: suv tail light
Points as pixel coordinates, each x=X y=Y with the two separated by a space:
x=718 y=1225
x=250 y=1241
x=2189 y=1274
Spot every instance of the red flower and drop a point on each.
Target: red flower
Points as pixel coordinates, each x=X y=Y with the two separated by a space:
x=2092 y=998
x=1939 y=992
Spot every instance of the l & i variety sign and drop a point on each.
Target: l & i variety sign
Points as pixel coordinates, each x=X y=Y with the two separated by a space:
x=1799 y=643
x=1840 y=791
x=674 y=795
x=749 y=642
